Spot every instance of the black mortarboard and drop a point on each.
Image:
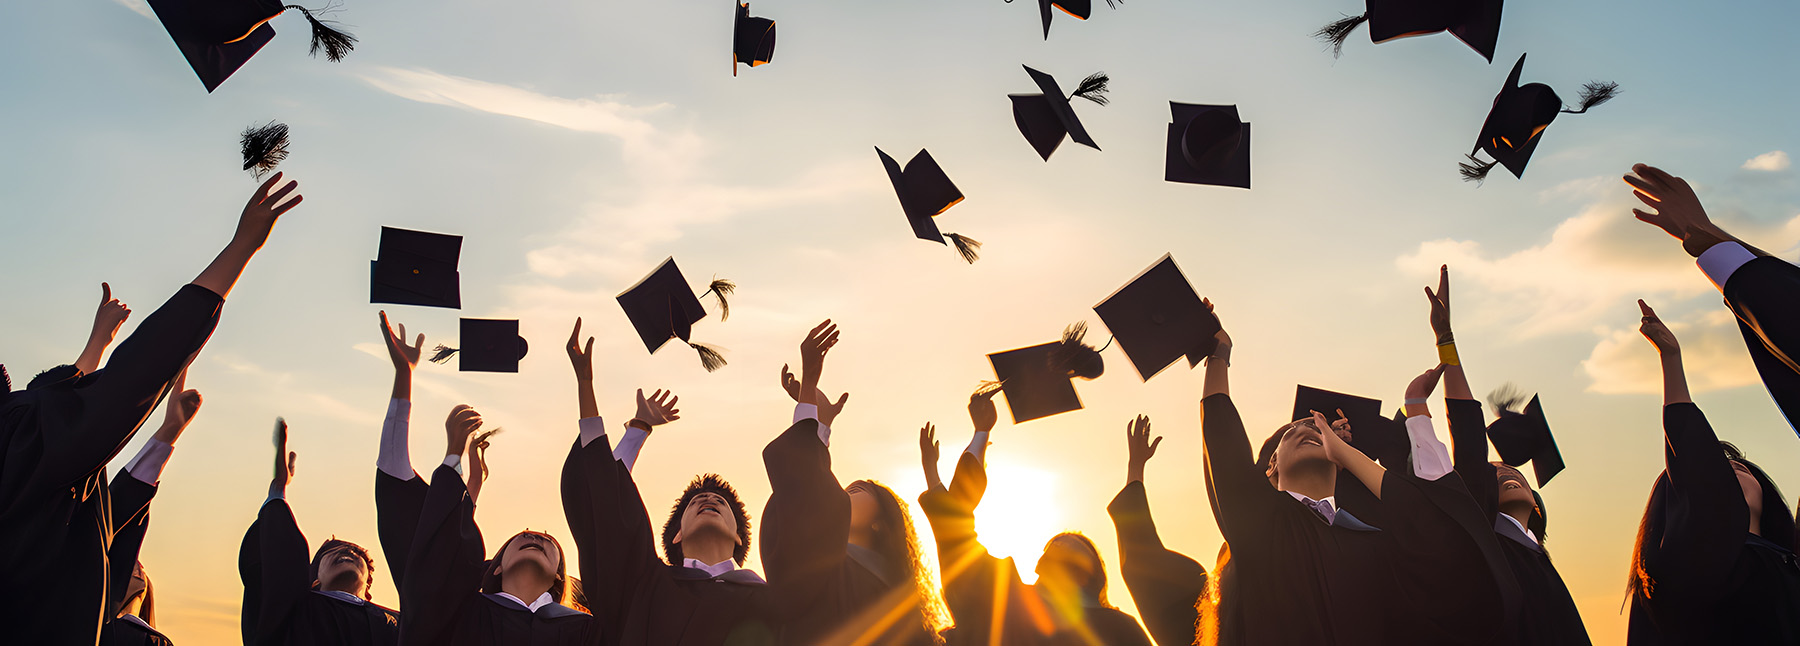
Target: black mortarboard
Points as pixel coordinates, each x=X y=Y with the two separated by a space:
x=1518 y=118
x=1033 y=388
x=1522 y=437
x=1475 y=22
x=416 y=268
x=1376 y=436
x=752 y=39
x=1207 y=145
x=488 y=345
x=219 y=36
x=663 y=307
x=1157 y=318
x=1046 y=117
x=926 y=191
x=1077 y=9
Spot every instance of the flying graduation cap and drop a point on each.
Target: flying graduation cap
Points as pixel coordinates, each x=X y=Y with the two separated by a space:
x=219 y=36
x=1522 y=436
x=662 y=307
x=1047 y=117
x=752 y=39
x=1078 y=9
x=1520 y=114
x=1034 y=387
x=264 y=147
x=488 y=345
x=1475 y=22
x=1207 y=145
x=1157 y=318
x=416 y=268
x=925 y=191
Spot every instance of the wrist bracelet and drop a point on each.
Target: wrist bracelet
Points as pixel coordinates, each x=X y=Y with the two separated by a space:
x=1416 y=401
x=638 y=423
x=1447 y=354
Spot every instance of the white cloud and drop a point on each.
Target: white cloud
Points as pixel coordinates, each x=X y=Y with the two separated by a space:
x=140 y=6
x=1772 y=161
x=1712 y=350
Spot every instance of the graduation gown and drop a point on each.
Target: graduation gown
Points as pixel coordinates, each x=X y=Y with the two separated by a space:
x=441 y=591
x=1714 y=583
x=831 y=591
x=131 y=521
x=992 y=605
x=1547 y=614
x=125 y=632
x=629 y=589
x=280 y=606
x=1764 y=294
x=397 y=506
x=1165 y=584
x=55 y=441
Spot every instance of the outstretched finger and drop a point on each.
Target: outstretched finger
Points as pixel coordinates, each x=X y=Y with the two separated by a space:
x=1443 y=291
x=1153 y=444
x=290 y=465
x=266 y=185
x=575 y=335
x=1645 y=308
x=288 y=205
x=105 y=293
x=282 y=193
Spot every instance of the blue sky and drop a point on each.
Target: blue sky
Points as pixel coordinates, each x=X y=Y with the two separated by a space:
x=576 y=145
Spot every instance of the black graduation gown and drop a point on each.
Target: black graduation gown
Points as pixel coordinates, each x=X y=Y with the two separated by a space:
x=281 y=608
x=1165 y=584
x=397 y=506
x=827 y=595
x=1547 y=614
x=131 y=521
x=441 y=591
x=974 y=582
x=55 y=441
x=629 y=589
x=1713 y=582
x=124 y=632
x=1765 y=296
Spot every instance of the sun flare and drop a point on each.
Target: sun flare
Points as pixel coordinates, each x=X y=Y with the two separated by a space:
x=1018 y=514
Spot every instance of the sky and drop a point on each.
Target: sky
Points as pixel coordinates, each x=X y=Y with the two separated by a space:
x=576 y=145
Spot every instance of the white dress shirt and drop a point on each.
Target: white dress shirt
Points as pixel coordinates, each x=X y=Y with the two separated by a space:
x=1304 y=500
x=1430 y=458
x=594 y=428
x=978 y=446
x=713 y=570
x=1528 y=533
x=542 y=600
x=394 y=459
x=343 y=596
x=1722 y=260
x=147 y=467
x=811 y=411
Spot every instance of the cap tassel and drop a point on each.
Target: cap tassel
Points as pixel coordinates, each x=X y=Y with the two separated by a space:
x=970 y=248
x=1507 y=400
x=1336 y=33
x=1595 y=93
x=335 y=43
x=1093 y=88
x=1475 y=170
x=1113 y=4
x=264 y=147
x=721 y=287
x=710 y=357
x=988 y=387
x=442 y=354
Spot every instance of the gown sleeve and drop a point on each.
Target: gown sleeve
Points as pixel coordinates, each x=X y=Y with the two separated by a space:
x=1468 y=434
x=1706 y=516
x=806 y=523
x=130 y=521
x=274 y=567
x=1239 y=491
x=397 y=506
x=1761 y=294
x=972 y=577
x=611 y=528
x=1165 y=584
x=443 y=569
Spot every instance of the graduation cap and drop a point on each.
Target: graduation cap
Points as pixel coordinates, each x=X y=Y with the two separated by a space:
x=219 y=36
x=1079 y=9
x=662 y=307
x=1377 y=436
x=1045 y=118
x=1524 y=436
x=1520 y=114
x=1157 y=318
x=1475 y=22
x=264 y=147
x=926 y=191
x=416 y=268
x=1207 y=145
x=1033 y=387
x=752 y=39
x=488 y=345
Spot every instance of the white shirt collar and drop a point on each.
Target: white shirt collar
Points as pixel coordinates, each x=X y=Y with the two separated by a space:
x=1331 y=500
x=134 y=619
x=542 y=600
x=1528 y=533
x=343 y=596
x=713 y=570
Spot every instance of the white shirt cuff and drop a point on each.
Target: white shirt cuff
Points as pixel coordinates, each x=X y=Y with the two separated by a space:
x=978 y=446
x=147 y=467
x=811 y=411
x=592 y=428
x=454 y=462
x=394 y=458
x=277 y=491
x=1430 y=458
x=629 y=446
x=1723 y=260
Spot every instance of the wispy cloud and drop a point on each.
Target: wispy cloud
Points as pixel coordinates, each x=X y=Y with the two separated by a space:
x=1712 y=352
x=1772 y=161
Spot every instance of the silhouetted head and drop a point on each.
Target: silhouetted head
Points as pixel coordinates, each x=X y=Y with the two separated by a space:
x=1297 y=446
x=875 y=507
x=343 y=566
x=531 y=552
x=1071 y=560
x=709 y=506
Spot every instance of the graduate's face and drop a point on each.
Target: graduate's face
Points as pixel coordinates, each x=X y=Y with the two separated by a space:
x=531 y=550
x=343 y=568
x=1752 y=489
x=1513 y=489
x=1300 y=444
x=708 y=513
x=1067 y=558
x=865 y=508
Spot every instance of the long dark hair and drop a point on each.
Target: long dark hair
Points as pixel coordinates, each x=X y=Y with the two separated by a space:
x=559 y=589
x=898 y=545
x=1777 y=526
x=1095 y=586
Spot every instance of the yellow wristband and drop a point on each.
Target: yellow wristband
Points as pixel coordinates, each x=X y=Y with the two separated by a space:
x=1447 y=355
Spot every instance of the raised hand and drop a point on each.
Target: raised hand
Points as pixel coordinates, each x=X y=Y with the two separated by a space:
x=284 y=459
x=1341 y=427
x=179 y=411
x=1140 y=448
x=263 y=209
x=812 y=359
x=107 y=318
x=658 y=409
x=1218 y=378
x=1440 y=307
x=1336 y=449
x=1421 y=388
x=478 y=464
x=582 y=358
x=1677 y=208
x=828 y=410
x=463 y=422
x=981 y=408
x=1658 y=333
x=1223 y=351
x=405 y=357
x=928 y=456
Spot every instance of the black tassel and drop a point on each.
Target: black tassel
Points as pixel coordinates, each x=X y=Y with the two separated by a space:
x=1595 y=93
x=442 y=354
x=1507 y=400
x=710 y=357
x=1336 y=33
x=1075 y=333
x=335 y=43
x=970 y=248
x=264 y=147
x=1093 y=88
x=1475 y=170
x=721 y=287
x=1113 y=4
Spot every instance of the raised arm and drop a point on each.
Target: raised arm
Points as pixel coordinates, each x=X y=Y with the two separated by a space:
x=253 y=229
x=806 y=525
x=132 y=490
x=1239 y=491
x=1462 y=412
x=107 y=320
x=272 y=560
x=399 y=491
x=1430 y=459
x=1164 y=584
x=444 y=570
x=1677 y=211
x=928 y=457
x=1675 y=386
